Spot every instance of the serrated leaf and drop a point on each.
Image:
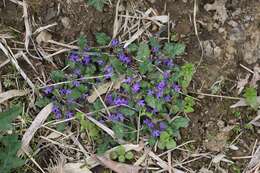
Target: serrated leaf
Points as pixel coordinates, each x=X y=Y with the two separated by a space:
x=251 y=97
x=57 y=75
x=98 y=4
x=8 y=116
x=121 y=150
x=151 y=101
x=121 y=158
x=82 y=41
x=171 y=49
x=132 y=48
x=143 y=51
x=118 y=66
x=145 y=67
x=42 y=102
x=119 y=130
x=180 y=122
x=129 y=155
x=102 y=39
x=161 y=145
x=154 y=42
x=75 y=94
x=171 y=144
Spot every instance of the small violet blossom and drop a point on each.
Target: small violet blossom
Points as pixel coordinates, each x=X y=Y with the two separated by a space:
x=141 y=103
x=77 y=72
x=57 y=112
x=123 y=58
x=162 y=126
x=176 y=88
x=156 y=133
x=64 y=91
x=150 y=92
x=136 y=87
x=76 y=83
x=155 y=49
x=114 y=42
x=128 y=80
x=120 y=101
x=48 y=90
x=148 y=123
x=69 y=114
x=86 y=60
x=74 y=57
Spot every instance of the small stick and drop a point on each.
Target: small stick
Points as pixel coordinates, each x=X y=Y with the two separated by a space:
x=218 y=96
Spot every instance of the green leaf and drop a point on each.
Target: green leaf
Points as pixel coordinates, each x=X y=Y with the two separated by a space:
x=8 y=150
x=119 y=130
x=151 y=101
x=8 y=116
x=129 y=155
x=180 y=122
x=42 y=102
x=98 y=4
x=75 y=94
x=132 y=48
x=121 y=150
x=127 y=111
x=164 y=136
x=186 y=75
x=57 y=75
x=82 y=41
x=189 y=103
x=154 y=42
x=143 y=51
x=251 y=97
x=171 y=49
x=145 y=67
x=102 y=38
x=171 y=144
x=121 y=158
x=161 y=145
x=118 y=66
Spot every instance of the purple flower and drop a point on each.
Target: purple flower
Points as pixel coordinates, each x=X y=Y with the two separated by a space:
x=141 y=103
x=136 y=87
x=116 y=117
x=114 y=42
x=176 y=88
x=48 y=90
x=156 y=133
x=162 y=126
x=159 y=94
x=154 y=111
x=128 y=80
x=109 y=99
x=86 y=49
x=69 y=114
x=100 y=62
x=77 y=72
x=169 y=62
x=86 y=60
x=57 y=112
x=70 y=101
x=167 y=98
x=148 y=123
x=155 y=49
x=123 y=58
x=108 y=72
x=150 y=92
x=76 y=83
x=64 y=91
x=74 y=57
x=166 y=75
x=120 y=101
x=161 y=85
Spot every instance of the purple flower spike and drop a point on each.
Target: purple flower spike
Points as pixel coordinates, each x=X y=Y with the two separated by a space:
x=108 y=72
x=155 y=49
x=161 y=85
x=169 y=62
x=141 y=103
x=176 y=88
x=57 y=112
x=120 y=101
x=159 y=94
x=114 y=42
x=128 y=80
x=69 y=114
x=86 y=60
x=116 y=117
x=100 y=62
x=136 y=87
x=109 y=99
x=150 y=92
x=166 y=75
x=156 y=133
x=162 y=126
x=74 y=57
x=76 y=83
x=148 y=123
x=48 y=90
x=77 y=72
x=123 y=58
x=167 y=98
x=64 y=91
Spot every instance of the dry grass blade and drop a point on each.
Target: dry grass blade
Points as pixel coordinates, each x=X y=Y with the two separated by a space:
x=242 y=102
x=116 y=22
x=118 y=167
x=75 y=168
x=254 y=162
x=36 y=124
x=44 y=28
x=12 y=58
x=102 y=89
x=28 y=30
x=11 y=94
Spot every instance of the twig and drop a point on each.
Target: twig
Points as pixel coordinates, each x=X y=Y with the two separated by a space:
x=218 y=96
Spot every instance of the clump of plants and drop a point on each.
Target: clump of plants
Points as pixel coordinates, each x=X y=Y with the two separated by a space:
x=137 y=91
x=121 y=154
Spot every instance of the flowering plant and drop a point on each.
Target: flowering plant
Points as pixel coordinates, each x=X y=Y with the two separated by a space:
x=150 y=93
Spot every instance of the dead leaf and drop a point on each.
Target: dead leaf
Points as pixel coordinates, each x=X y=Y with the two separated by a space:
x=254 y=162
x=118 y=167
x=219 y=7
x=242 y=83
x=44 y=36
x=75 y=168
x=255 y=121
x=36 y=124
x=102 y=89
x=205 y=170
x=163 y=18
x=242 y=102
x=256 y=77
x=11 y=93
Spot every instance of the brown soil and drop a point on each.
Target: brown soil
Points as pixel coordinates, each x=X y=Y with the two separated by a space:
x=212 y=114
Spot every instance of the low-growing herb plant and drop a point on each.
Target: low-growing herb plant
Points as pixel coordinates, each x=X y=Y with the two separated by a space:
x=98 y=4
x=136 y=91
x=121 y=155
x=251 y=97
x=9 y=144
